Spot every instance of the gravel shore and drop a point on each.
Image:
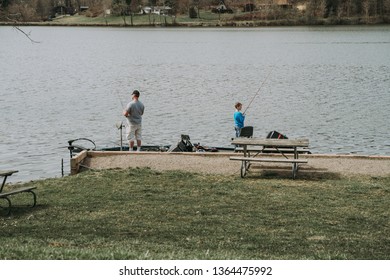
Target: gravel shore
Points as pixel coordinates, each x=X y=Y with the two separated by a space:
x=219 y=163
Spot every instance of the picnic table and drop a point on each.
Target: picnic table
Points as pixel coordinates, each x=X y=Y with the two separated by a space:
x=12 y=191
x=255 y=150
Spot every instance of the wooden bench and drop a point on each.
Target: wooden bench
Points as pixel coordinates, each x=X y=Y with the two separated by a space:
x=257 y=145
x=246 y=161
x=270 y=150
x=12 y=191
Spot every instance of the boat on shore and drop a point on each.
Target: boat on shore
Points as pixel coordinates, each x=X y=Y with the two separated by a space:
x=82 y=149
x=78 y=145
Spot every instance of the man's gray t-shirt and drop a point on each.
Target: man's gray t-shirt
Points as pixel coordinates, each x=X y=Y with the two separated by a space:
x=135 y=110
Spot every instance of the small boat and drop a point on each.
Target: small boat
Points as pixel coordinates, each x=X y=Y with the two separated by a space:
x=75 y=146
x=78 y=145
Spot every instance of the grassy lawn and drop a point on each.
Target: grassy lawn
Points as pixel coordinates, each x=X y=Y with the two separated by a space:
x=145 y=214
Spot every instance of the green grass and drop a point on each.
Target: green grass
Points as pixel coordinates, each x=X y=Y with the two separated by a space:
x=145 y=214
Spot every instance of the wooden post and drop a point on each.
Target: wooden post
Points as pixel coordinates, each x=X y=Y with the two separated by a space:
x=75 y=162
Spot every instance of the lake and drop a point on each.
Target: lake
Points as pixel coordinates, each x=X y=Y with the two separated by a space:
x=329 y=84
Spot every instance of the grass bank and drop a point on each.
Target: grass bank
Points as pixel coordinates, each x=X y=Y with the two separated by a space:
x=145 y=214
x=208 y=19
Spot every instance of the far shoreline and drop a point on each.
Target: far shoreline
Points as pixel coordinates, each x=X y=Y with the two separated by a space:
x=64 y=21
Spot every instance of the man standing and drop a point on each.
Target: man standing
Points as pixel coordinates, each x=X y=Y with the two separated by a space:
x=133 y=112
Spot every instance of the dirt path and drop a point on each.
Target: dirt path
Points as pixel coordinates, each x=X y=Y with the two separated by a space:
x=219 y=163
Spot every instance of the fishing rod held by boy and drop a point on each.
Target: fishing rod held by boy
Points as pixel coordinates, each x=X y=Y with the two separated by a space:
x=258 y=91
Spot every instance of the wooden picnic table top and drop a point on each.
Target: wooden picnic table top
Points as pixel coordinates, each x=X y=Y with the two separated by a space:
x=303 y=142
x=7 y=172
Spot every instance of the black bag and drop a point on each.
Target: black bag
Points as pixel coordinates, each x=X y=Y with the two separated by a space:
x=183 y=146
x=276 y=135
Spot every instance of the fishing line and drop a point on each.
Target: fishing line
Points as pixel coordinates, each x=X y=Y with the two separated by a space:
x=120 y=125
x=120 y=100
x=261 y=86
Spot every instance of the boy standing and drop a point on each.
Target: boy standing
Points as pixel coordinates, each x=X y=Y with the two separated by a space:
x=239 y=119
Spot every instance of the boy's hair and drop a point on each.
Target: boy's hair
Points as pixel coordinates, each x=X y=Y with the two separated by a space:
x=136 y=93
x=238 y=104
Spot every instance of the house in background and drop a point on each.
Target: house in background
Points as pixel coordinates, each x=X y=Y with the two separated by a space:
x=158 y=10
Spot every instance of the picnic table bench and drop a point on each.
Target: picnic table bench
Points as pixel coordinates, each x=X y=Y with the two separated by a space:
x=271 y=150
x=12 y=191
x=260 y=146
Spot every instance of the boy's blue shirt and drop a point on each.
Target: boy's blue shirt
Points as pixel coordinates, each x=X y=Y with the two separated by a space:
x=239 y=119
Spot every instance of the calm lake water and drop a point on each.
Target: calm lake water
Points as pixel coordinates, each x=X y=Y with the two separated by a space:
x=329 y=84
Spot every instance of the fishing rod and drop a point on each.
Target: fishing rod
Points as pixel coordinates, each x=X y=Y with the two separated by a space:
x=119 y=98
x=120 y=125
x=261 y=86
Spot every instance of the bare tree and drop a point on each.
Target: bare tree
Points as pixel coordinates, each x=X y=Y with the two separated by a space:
x=367 y=9
x=316 y=8
x=182 y=6
x=386 y=7
x=120 y=8
x=344 y=8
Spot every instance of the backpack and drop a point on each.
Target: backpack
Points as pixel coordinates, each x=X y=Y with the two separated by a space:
x=276 y=135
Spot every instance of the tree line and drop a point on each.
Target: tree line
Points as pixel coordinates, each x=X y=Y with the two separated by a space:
x=40 y=10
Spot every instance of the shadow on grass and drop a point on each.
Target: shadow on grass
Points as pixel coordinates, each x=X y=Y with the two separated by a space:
x=310 y=174
x=21 y=210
